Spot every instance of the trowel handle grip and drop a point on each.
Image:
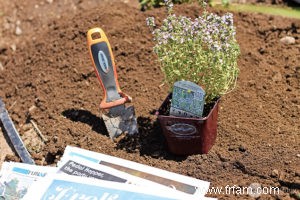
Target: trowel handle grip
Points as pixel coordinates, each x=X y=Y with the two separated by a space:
x=104 y=66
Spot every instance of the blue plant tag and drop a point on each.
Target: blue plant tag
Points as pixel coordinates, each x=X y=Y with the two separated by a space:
x=187 y=100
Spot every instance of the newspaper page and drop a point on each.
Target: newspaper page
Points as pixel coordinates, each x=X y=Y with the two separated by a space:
x=66 y=187
x=184 y=184
x=18 y=177
x=84 y=168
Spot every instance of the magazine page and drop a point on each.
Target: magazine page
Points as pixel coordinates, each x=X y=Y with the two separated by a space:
x=18 y=177
x=84 y=168
x=65 y=187
x=187 y=185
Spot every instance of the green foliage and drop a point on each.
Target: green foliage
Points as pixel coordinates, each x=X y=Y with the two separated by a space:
x=292 y=12
x=225 y=3
x=203 y=51
x=147 y=4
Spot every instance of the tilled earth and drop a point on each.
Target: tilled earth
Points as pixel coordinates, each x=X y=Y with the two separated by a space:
x=47 y=78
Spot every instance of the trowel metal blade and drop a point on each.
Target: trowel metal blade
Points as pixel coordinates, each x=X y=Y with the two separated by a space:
x=120 y=119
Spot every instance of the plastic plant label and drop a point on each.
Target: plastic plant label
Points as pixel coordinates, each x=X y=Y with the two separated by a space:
x=187 y=100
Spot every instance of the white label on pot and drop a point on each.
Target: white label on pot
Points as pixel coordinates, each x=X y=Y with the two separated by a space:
x=182 y=129
x=187 y=99
x=103 y=61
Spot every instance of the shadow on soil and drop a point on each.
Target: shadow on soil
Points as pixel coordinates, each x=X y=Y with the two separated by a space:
x=86 y=117
x=150 y=141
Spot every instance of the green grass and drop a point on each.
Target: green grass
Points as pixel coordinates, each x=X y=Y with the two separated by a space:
x=271 y=10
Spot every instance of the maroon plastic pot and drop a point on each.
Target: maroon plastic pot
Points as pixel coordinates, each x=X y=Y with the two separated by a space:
x=187 y=136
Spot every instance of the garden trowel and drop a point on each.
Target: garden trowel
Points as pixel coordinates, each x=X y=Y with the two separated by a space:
x=119 y=118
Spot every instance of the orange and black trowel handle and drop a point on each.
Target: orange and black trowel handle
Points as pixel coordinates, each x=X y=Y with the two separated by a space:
x=104 y=65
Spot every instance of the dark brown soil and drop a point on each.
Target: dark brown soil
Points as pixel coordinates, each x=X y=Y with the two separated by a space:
x=49 y=79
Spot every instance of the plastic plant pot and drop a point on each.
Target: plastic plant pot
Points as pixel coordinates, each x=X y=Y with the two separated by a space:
x=187 y=136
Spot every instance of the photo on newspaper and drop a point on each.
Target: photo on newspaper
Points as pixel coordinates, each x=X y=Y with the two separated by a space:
x=18 y=177
x=66 y=187
x=187 y=185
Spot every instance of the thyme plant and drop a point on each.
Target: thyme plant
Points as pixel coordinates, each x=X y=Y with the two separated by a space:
x=203 y=50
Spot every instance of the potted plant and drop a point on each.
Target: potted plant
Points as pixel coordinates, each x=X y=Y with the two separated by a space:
x=203 y=51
